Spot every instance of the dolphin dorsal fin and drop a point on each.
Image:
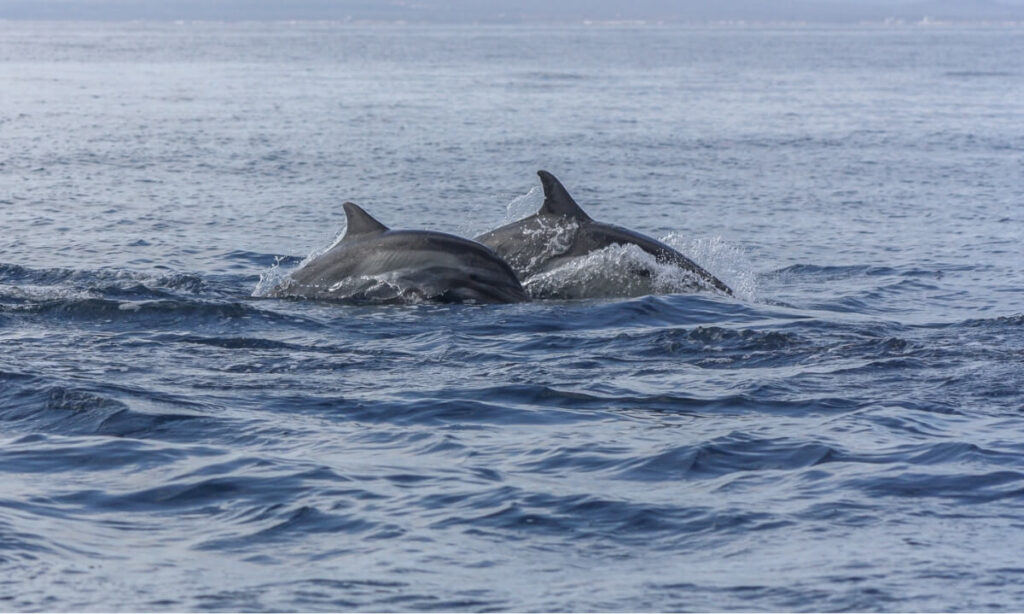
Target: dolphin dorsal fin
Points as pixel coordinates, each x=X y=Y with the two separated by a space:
x=360 y=222
x=557 y=200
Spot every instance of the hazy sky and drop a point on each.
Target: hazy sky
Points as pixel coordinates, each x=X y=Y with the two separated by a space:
x=518 y=10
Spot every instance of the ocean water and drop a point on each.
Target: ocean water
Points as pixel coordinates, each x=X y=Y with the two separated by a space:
x=846 y=433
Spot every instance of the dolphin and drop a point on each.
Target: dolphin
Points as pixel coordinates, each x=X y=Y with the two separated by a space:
x=561 y=231
x=375 y=263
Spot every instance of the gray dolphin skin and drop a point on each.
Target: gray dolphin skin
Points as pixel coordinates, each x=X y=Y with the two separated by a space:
x=561 y=230
x=374 y=263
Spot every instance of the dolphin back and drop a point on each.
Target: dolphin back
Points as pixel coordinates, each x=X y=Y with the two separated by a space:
x=375 y=264
x=561 y=231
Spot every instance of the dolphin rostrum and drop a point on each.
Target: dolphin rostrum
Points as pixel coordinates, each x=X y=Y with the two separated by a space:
x=372 y=262
x=561 y=231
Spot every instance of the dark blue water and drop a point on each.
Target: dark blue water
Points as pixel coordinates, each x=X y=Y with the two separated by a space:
x=844 y=434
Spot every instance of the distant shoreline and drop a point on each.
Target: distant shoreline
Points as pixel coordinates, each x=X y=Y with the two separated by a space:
x=638 y=23
x=532 y=12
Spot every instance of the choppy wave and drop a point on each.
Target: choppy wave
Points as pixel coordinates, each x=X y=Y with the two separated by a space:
x=840 y=435
x=310 y=436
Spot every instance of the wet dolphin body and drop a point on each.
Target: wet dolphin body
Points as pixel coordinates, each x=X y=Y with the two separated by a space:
x=372 y=261
x=561 y=231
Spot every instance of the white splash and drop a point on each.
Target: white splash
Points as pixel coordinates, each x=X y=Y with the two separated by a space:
x=385 y=288
x=726 y=261
x=272 y=278
x=556 y=237
x=275 y=276
x=615 y=271
x=525 y=205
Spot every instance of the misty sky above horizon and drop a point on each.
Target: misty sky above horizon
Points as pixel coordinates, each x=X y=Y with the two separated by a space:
x=518 y=11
